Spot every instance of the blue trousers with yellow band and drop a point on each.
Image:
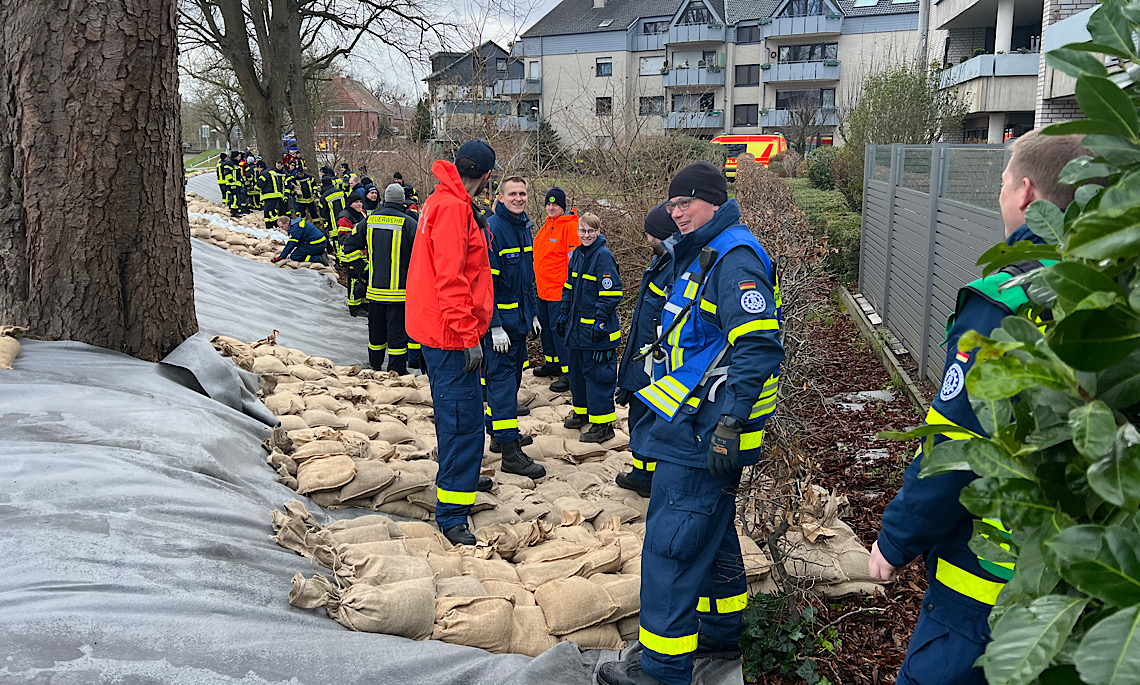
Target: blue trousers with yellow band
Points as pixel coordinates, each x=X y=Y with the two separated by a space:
x=554 y=350
x=457 y=402
x=643 y=466
x=592 y=386
x=502 y=374
x=386 y=334
x=692 y=573
x=949 y=637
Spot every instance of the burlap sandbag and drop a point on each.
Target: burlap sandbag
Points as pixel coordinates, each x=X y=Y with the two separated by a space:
x=394 y=531
x=318 y=448
x=423 y=547
x=550 y=446
x=379 y=449
x=393 y=432
x=501 y=537
x=371 y=477
x=491 y=517
x=554 y=490
x=282 y=403
x=319 y=417
x=628 y=543
x=585 y=482
x=405 y=608
x=321 y=401
x=279 y=460
x=574 y=603
x=425 y=498
x=577 y=535
x=311 y=593
x=589 y=510
x=328 y=472
x=459 y=586
x=629 y=627
x=612 y=509
x=530 y=635
x=605 y=559
x=536 y=574
x=551 y=550
x=581 y=451
x=603 y=636
x=290 y=422
x=305 y=373
x=529 y=506
x=381 y=547
x=357 y=534
x=402 y=508
x=484 y=501
x=624 y=590
x=486 y=569
x=269 y=364
x=376 y=569
x=423 y=467
x=483 y=622
x=445 y=565
x=632 y=567
x=519 y=595
x=404 y=484
x=512 y=479
x=367 y=429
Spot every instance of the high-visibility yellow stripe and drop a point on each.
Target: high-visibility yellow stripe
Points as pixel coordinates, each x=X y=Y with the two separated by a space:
x=567 y=285
x=965 y=583
x=589 y=277
x=691 y=290
x=762 y=408
x=610 y=293
x=487 y=410
x=580 y=411
x=574 y=273
x=495 y=272
x=508 y=305
x=725 y=605
x=658 y=398
x=528 y=248
x=394 y=351
x=751 y=327
x=586 y=320
x=565 y=369
x=674 y=387
x=413 y=346
x=751 y=440
x=504 y=424
x=667 y=645
x=704 y=605
x=643 y=465
x=382 y=219
x=616 y=335
x=452 y=497
x=603 y=418
x=509 y=250
x=935 y=418
x=377 y=348
x=708 y=306
x=655 y=289
x=548 y=358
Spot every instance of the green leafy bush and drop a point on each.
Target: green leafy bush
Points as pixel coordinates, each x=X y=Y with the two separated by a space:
x=847 y=175
x=843 y=234
x=780 y=637
x=819 y=167
x=1062 y=465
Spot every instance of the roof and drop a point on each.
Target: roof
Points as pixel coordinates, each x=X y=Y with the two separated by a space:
x=346 y=94
x=742 y=10
x=580 y=16
x=488 y=47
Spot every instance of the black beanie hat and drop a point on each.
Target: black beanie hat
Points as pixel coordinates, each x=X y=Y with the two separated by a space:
x=326 y=181
x=702 y=181
x=356 y=196
x=658 y=222
x=326 y=171
x=557 y=196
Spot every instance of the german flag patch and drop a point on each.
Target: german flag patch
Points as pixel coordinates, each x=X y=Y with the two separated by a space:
x=962 y=357
x=747 y=285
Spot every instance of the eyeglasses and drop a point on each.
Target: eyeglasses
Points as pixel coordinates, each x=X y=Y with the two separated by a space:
x=682 y=205
x=587 y=231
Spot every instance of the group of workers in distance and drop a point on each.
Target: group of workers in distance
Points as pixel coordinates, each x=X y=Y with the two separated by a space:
x=699 y=371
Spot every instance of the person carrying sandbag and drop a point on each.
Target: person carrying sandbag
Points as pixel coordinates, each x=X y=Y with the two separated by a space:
x=452 y=294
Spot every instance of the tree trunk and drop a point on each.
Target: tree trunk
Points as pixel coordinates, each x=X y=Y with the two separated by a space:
x=94 y=238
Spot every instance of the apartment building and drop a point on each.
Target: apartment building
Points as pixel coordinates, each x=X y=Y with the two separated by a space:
x=466 y=92
x=605 y=70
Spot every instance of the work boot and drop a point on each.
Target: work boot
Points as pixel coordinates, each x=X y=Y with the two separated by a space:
x=560 y=385
x=358 y=311
x=625 y=673
x=575 y=420
x=631 y=482
x=522 y=410
x=524 y=440
x=485 y=484
x=599 y=433
x=547 y=371
x=515 y=461
x=708 y=648
x=459 y=535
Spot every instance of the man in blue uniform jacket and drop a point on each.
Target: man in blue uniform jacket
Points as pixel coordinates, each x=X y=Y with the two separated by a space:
x=714 y=387
x=306 y=242
x=925 y=518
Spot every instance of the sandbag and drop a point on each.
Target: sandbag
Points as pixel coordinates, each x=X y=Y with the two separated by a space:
x=629 y=627
x=530 y=635
x=284 y=403
x=327 y=472
x=394 y=531
x=320 y=401
x=536 y=574
x=483 y=622
x=403 y=484
x=290 y=422
x=484 y=569
x=268 y=364
x=320 y=417
x=459 y=586
x=402 y=508
x=405 y=608
x=445 y=565
x=377 y=569
x=371 y=477
x=393 y=432
x=605 y=559
x=550 y=550
x=423 y=547
x=625 y=591
x=574 y=603
x=318 y=448
x=519 y=595
x=603 y=636
x=357 y=534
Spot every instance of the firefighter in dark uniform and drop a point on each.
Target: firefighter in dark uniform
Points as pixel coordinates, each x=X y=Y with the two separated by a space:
x=926 y=517
x=343 y=181
x=515 y=315
x=332 y=203
x=271 y=183
x=305 y=192
x=385 y=237
x=252 y=190
x=233 y=178
x=223 y=185
x=352 y=261
x=589 y=324
x=713 y=389
x=306 y=241
x=633 y=376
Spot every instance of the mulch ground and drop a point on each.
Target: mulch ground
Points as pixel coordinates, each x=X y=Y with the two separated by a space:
x=874 y=631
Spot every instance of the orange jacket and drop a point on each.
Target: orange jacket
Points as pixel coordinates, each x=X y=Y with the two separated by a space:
x=450 y=293
x=552 y=247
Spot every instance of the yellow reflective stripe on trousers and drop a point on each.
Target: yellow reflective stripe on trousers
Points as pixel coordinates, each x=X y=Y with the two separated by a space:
x=751 y=440
x=603 y=418
x=504 y=424
x=935 y=418
x=397 y=352
x=377 y=348
x=580 y=411
x=413 y=346
x=965 y=583
x=643 y=465
x=726 y=605
x=452 y=497
x=495 y=272
x=752 y=327
x=508 y=305
x=667 y=645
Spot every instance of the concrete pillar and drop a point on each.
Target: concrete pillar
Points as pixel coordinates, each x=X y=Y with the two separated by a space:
x=1003 y=32
x=996 y=132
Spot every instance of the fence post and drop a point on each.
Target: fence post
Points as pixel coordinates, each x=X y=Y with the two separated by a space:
x=868 y=165
x=896 y=151
x=937 y=154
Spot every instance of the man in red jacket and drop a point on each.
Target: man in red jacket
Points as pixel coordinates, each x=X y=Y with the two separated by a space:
x=450 y=295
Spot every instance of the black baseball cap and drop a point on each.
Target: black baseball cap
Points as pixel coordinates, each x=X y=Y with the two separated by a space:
x=475 y=157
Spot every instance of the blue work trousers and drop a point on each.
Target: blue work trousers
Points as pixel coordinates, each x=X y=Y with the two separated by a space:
x=643 y=465
x=503 y=375
x=456 y=399
x=554 y=351
x=692 y=573
x=386 y=333
x=592 y=385
x=949 y=637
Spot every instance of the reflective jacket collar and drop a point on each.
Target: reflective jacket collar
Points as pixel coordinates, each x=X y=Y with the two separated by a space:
x=587 y=251
x=395 y=206
x=686 y=247
x=517 y=221
x=352 y=215
x=1023 y=233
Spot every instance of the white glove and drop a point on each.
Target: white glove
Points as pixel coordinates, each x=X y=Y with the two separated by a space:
x=500 y=341
x=536 y=326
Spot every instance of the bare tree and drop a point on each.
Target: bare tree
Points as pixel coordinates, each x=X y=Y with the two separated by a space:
x=274 y=46
x=806 y=119
x=217 y=100
x=94 y=238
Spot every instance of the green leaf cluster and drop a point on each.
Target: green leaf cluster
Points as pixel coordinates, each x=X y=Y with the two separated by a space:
x=779 y=636
x=1057 y=391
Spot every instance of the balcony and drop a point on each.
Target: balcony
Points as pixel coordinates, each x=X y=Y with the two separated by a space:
x=696 y=33
x=804 y=26
x=701 y=76
x=689 y=120
x=802 y=71
x=783 y=117
x=996 y=83
x=516 y=123
x=642 y=42
x=518 y=86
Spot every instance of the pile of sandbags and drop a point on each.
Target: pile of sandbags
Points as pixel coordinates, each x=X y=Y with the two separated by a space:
x=237 y=242
x=9 y=346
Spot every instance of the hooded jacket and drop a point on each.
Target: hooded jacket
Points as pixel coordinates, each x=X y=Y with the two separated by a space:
x=552 y=247
x=512 y=266
x=450 y=292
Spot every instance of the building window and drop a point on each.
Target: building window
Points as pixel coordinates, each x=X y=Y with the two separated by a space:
x=787 y=99
x=603 y=107
x=604 y=66
x=650 y=66
x=527 y=108
x=697 y=13
x=746 y=115
x=650 y=28
x=693 y=102
x=500 y=64
x=337 y=121
x=748 y=34
x=803 y=8
x=532 y=69
x=603 y=142
x=809 y=53
x=747 y=74
x=651 y=105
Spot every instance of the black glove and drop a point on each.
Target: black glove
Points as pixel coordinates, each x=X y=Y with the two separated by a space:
x=623 y=396
x=472 y=358
x=603 y=356
x=560 y=327
x=599 y=331
x=724 y=450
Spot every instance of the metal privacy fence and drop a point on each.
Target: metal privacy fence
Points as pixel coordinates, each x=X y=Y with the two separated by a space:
x=929 y=212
